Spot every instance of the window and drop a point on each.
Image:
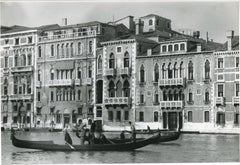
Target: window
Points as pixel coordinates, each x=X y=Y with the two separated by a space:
x=190 y=96
x=169 y=71
x=58 y=117
x=111 y=61
x=90 y=71
x=79 y=48
x=156 y=73
x=157 y=22
x=5 y=119
x=51 y=74
x=163 y=71
x=220 y=62
x=182 y=46
x=175 y=70
x=52 y=50
x=74 y=117
x=58 y=50
x=156 y=100
x=90 y=47
x=111 y=89
x=190 y=116
x=175 y=95
x=176 y=47
x=99 y=112
x=79 y=73
x=80 y=111
x=39 y=51
x=207 y=70
x=118 y=115
x=236 y=118
x=237 y=90
x=220 y=90
x=6 y=62
x=190 y=70
x=16 y=60
x=39 y=96
x=141 y=116
x=207 y=97
x=29 y=59
x=16 y=41
x=164 y=48
x=5 y=90
x=237 y=62
x=29 y=40
x=169 y=48
x=126 y=115
x=142 y=74
x=38 y=111
x=126 y=89
x=150 y=22
x=206 y=116
x=119 y=49
x=71 y=49
x=110 y=115
x=99 y=62
x=24 y=60
x=39 y=75
x=62 y=50
x=79 y=94
x=67 y=50
x=155 y=116
x=220 y=118
x=181 y=70
x=126 y=60
x=52 y=95
x=141 y=98
x=89 y=95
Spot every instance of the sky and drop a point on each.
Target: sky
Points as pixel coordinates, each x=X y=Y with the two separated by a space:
x=215 y=17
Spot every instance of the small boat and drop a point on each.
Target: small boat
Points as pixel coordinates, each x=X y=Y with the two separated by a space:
x=51 y=146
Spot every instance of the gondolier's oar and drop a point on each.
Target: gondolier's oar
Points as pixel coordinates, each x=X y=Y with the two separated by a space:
x=70 y=145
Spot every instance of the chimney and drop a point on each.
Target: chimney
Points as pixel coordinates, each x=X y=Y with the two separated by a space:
x=64 y=22
x=207 y=36
x=149 y=52
x=138 y=25
x=229 y=35
x=199 y=47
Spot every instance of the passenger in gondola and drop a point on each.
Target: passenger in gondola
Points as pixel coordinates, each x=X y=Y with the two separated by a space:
x=133 y=131
x=91 y=133
x=122 y=136
x=82 y=133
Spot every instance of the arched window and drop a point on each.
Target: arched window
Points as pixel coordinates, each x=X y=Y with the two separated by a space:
x=155 y=116
x=206 y=116
x=51 y=74
x=156 y=73
x=79 y=94
x=142 y=98
x=182 y=46
x=58 y=50
x=58 y=117
x=207 y=70
x=39 y=51
x=175 y=70
x=163 y=71
x=190 y=70
x=111 y=61
x=181 y=95
x=181 y=70
x=169 y=71
x=142 y=74
x=150 y=22
x=111 y=89
x=156 y=100
x=190 y=96
x=164 y=96
x=207 y=97
x=175 y=95
x=79 y=73
x=100 y=62
x=176 y=47
x=79 y=48
x=71 y=49
x=90 y=71
x=29 y=59
x=190 y=116
x=126 y=60
x=39 y=75
x=62 y=50
x=24 y=60
x=90 y=47
x=52 y=50
x=119 y=89
x=170 y=48
x=67 y=50
x=164 y=48
x=89 y=95
x=126 y=89
x=170 y=95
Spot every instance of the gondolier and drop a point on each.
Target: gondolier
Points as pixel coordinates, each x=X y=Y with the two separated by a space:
x=133 y=131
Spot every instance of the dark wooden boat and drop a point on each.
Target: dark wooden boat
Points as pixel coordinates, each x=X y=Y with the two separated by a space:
x=51 y=146
x=163 y=138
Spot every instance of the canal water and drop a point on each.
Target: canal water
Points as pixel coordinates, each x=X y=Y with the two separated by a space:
x=189 y=148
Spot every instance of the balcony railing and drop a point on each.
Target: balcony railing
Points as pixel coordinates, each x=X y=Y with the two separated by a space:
x=235 y=100
x=67 y=36
x=220 y=100
x=22 y=69
x=61 y=82
x=171 y=104
x=117 y=101
x=87 y=81
x=4 y=97
x=78 y=82
x=21 y=97
x=171 y=82
x=125 y=71
x=110 y=72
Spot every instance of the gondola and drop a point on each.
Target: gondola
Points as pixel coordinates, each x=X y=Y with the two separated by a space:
x=51 y=146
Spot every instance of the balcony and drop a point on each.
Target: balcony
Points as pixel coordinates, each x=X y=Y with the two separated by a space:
x=5 y=70
x=38 y=84
x=117 y=101
x=207 y=80
x=171 y=104
x=76 y=35
x=78 y=82
x=235 y=100
x=87 y=81
x=220 y=100
x=22 y=69
x=62 y=82
x=21 y=97
x=4 y=97
x=110 y=72
x=125 y=71
x=171 y=82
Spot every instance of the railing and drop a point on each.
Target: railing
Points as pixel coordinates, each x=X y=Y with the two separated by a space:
x=61 y=82
x=125 y=71
x=4 y=97
x=171 y=104
x=67 y=36
x=21 y=97
x=117 y=100
x=78 y=82
x=22 y=69
x=171 y=82
x=235 y=100
x=87 y=81
x=110 y=72
x=220 y=100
